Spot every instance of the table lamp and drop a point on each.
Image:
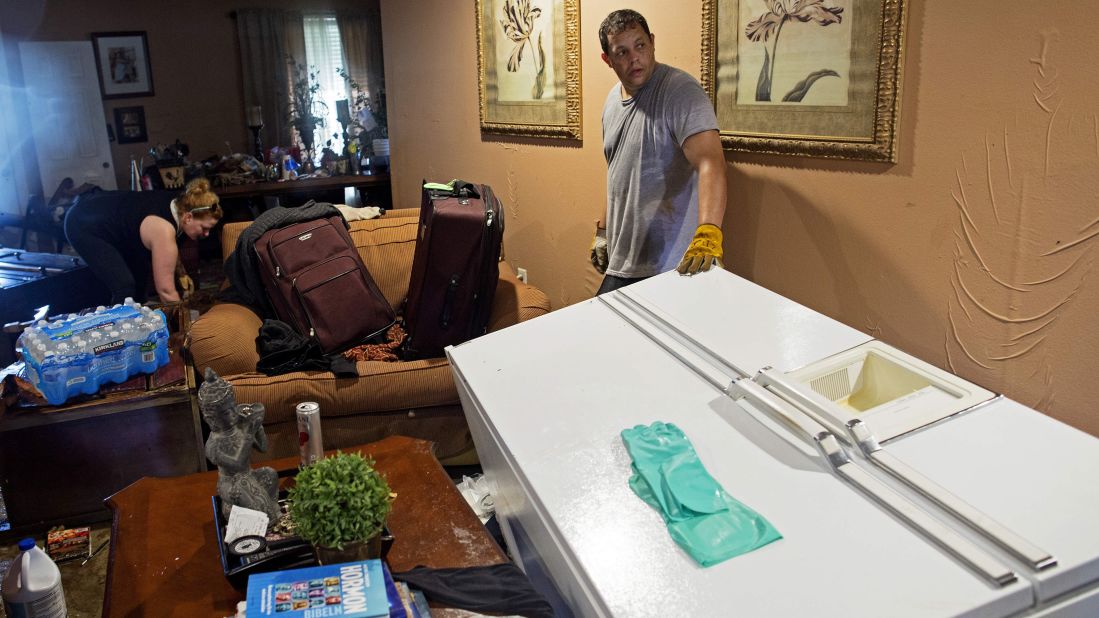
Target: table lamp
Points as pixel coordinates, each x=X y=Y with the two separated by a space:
x=255 y=123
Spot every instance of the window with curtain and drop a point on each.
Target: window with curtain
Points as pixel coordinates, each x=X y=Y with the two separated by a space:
x=319 y=43
x=324 y=53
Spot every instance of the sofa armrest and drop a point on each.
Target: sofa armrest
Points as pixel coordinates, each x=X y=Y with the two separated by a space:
x=515 y=301
x=225 y=338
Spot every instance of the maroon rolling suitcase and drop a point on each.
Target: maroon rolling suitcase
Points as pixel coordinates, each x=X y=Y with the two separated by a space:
x=455 y=268
x=318 y=284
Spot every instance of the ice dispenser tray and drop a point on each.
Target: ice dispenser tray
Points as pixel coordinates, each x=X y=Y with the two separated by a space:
x=892 y=392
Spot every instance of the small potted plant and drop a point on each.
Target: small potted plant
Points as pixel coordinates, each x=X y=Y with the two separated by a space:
x=340 y=505
x=306 y=110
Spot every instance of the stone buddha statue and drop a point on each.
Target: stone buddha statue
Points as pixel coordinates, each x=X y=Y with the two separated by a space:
x=234 y=430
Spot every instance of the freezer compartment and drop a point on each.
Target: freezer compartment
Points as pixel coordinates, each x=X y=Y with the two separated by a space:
x=892 y=392
x=1032 y=473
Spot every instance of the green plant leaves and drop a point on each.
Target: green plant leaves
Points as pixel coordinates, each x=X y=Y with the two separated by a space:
x=763 y=85
x=339 y=499
x=539 y=87
x=802 y=88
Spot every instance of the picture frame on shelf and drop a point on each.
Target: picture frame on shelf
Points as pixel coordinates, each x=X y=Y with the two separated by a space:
x=130 y=124
x=818 y=79
x=528 y=62
x=122 y=60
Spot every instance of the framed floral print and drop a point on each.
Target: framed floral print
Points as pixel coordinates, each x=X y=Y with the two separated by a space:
x=528 y=60
x=817 y=78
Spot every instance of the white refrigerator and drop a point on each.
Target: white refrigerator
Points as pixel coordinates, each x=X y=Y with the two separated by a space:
x=899 y=489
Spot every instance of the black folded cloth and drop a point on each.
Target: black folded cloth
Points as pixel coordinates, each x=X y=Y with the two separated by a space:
x=499 y=588
x=283 y=350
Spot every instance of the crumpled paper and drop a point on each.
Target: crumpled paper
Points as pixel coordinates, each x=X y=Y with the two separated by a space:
x=477 y=493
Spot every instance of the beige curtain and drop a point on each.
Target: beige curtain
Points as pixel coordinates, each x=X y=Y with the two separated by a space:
x=361 y=35
x=268 y=38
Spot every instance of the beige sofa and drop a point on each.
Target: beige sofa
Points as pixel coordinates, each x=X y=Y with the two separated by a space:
x=414 y=398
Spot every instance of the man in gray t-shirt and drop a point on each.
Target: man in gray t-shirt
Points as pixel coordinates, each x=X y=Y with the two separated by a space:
x=665 y=168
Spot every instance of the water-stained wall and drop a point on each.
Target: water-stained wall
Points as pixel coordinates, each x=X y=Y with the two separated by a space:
x=975 y=252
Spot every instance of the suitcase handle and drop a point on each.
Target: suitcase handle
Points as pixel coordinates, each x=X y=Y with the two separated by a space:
x=455 y=188
x=451 y=292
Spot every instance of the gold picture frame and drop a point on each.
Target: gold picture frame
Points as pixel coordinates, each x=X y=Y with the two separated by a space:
x=528 y=73
x=831 y=91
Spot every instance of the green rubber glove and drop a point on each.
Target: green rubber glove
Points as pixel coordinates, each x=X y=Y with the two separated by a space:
x=706 y=522
x=704 y=251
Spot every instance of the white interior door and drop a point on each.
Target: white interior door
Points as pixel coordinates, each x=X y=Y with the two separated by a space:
x=70 y=132
x=13 y=179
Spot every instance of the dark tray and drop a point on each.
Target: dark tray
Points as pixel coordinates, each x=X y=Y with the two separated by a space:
x=288 y=553
x=285 y=553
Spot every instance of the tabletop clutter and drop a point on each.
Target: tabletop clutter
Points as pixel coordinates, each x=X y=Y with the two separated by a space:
x=314 y=542
x=171 y=166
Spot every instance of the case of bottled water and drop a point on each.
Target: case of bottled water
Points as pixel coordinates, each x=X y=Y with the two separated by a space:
x=80 y=353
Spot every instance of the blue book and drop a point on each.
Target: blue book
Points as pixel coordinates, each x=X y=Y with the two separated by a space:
x=353 y=590
x=396 y=604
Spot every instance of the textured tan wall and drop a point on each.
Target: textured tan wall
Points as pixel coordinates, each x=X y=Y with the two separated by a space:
x=975 y=252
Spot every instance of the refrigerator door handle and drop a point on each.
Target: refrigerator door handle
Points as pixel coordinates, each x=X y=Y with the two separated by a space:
x=833 y=417
x=806 y=428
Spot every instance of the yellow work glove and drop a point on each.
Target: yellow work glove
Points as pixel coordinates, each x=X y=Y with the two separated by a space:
x=704 y=250
x=186 y=285
x=599 y=257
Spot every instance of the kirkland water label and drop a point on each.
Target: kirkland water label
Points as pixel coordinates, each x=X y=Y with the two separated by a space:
x=109 y=346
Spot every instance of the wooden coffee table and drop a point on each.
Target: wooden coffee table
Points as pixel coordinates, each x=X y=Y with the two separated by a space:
x=164 y=557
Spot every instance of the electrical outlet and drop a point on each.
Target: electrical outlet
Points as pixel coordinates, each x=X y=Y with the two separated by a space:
x=521 y=274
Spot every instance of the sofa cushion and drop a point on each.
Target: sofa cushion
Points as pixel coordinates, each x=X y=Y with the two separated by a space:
x=387 y=246
x=380 y=386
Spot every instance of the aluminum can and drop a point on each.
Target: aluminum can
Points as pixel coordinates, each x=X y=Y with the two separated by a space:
x=309 y=432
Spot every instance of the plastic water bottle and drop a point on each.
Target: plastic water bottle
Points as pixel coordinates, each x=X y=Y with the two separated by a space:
x=32 y=587
x=79 y=363
x=130 y=346
x=146 y=335
x=113 y=367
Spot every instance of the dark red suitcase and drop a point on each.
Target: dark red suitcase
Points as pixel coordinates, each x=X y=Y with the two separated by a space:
x=318 y=284
x=455 y=269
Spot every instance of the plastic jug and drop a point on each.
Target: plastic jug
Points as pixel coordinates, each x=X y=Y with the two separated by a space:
x=32 y=587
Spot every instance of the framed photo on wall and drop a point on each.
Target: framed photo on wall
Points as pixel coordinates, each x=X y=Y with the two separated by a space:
x=528 y=61
x=130 y=124
x=817 y=78
x=123 y=62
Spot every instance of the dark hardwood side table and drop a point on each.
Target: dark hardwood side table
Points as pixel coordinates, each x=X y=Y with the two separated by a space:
x=164 y=558
x=374 y=190
x=59 y=463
